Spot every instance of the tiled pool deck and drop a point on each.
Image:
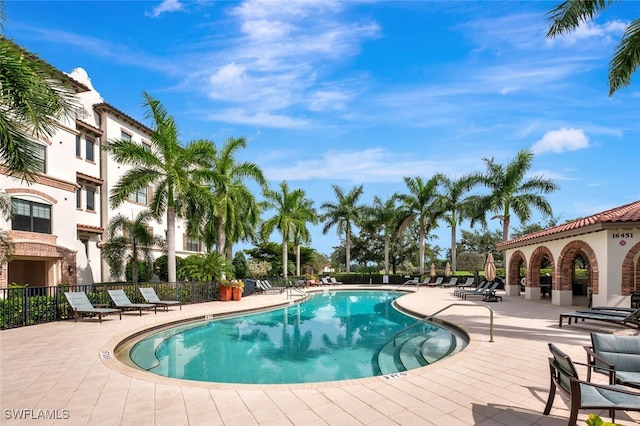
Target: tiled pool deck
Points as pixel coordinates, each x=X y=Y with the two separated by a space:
x=61 y=367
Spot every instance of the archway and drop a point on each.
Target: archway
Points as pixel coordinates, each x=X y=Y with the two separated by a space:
x=540 y=256
x=630 y=274
x=517 y=261
x=566 y=268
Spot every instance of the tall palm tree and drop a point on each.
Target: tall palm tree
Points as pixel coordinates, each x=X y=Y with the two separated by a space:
x=510 y=192
x=420 y=205
x=292 y=211
x=570 y=14
x=177 y=173
x=306 y=214
x=344 y=214
x=34 y=96
x=383 y=215
x=453 y=201
x=233 y=203
x=130 y=240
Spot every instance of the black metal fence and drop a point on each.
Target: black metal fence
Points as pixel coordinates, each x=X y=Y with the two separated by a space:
x=21 y=306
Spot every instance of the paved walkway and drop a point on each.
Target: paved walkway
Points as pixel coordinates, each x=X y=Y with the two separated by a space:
x=66 y=370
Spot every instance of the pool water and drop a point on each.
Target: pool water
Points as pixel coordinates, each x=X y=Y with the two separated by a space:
x=331 y=336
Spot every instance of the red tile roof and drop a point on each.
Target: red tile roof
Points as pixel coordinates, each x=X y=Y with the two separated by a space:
x=623 y=216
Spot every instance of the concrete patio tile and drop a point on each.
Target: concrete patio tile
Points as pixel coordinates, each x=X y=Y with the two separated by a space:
x=504 y=382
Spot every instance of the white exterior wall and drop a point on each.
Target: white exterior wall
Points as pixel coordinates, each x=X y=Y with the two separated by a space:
x=70 y=223
x=610 y=247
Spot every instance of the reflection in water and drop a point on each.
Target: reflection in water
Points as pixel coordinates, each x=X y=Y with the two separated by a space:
x=332 y=336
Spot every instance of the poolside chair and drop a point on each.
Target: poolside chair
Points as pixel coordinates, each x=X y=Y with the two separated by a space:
x=468 y=283
x=325 y=281
x=488 y=294
x=479 y=289
x=615 y=355
x=268 y=288
x=584 y=395
x=436 y=283
x=81 y=306
x=631 y=320
x=453 y=281
x=333 y=281
x=121 y=301
x=150 y=296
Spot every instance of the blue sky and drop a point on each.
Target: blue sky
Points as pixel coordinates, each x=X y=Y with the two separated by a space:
x=365 y=92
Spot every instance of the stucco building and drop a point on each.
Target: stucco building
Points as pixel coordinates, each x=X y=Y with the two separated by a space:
x=62 y=217
x=607 y=242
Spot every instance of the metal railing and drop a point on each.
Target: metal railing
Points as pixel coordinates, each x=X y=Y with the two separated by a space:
x=430 y=317
x=22 y=306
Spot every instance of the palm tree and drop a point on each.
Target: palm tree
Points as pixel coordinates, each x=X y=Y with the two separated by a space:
x=452 y=201
x=235 y=209
x=130 y=240
x=305 y=213
x=383 y=215
x=344 y=215
x=176 y=172
x=293 y=211
x=510 y=192
x=33 y=97
x=570 y=14
x=421 y=204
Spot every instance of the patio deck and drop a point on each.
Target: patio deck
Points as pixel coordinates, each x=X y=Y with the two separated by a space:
x=65 y=370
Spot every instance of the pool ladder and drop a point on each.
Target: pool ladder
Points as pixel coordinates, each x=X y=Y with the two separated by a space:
x=432 y=317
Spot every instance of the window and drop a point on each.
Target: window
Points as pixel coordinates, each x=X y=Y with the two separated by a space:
x=90 y=145
x=91 y=196
x=125 y=136
x=139 y=196
x=193 y=244
x=79 y=198
x=31 y=216
x=41 y=158
x=78 y=146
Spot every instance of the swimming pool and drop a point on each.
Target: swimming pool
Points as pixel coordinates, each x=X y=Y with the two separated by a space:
x=334 y=335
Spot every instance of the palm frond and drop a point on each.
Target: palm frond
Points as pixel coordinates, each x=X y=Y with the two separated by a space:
x=626 y=58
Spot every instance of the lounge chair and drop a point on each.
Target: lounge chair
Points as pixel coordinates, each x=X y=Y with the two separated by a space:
x=121 y=301
x=631 y=320
x=484 y=285
x=150 y=296
x=436 y=283
x=333 y=281
x=584 y=395
x=266 y=287
x=325 y=281
x=453 y=281
x=488 y=294
x=81 y=306
x=468 y=283
x=617 y=356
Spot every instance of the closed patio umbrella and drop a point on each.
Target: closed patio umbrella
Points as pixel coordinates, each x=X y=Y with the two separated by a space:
x=490 y=268
x=433 y=270
x=447 y=270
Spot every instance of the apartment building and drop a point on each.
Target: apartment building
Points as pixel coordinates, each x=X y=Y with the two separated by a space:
x=62 y=217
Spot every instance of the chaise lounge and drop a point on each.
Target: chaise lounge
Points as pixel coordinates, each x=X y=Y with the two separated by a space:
x=584 y=395
x=121 y=301
x=631 y=320
x=150 y=296
x=81 y=306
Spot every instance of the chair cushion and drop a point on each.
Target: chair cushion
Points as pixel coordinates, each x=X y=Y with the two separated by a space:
x=597 y=397
x=621 y=351
x=628 y=377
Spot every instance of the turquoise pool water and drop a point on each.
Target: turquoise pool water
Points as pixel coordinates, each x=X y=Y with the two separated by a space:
x=331 y=336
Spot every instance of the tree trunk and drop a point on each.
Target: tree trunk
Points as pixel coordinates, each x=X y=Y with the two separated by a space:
x=505 y=228
x=171 y=243
x=421 y=250
x=386 y=254
x=347 y=247
x=298 y=260
x=285 y=258
x=453 y=249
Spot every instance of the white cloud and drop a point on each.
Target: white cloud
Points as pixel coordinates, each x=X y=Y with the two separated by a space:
x=591 y=30
x=166 y=6
x=259 y=118
x=561 y=140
